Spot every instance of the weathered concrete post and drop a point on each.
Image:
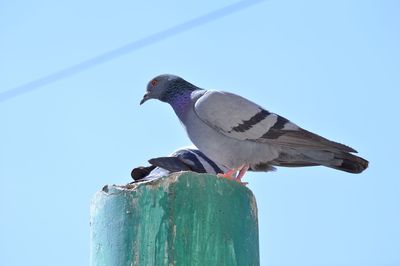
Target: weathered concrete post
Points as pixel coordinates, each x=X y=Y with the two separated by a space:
x=183 y=219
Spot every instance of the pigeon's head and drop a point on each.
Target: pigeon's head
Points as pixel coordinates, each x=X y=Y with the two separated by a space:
x=163 y=87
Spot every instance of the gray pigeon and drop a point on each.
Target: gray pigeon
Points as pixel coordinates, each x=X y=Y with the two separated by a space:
x=184 y=159
x=239 y=134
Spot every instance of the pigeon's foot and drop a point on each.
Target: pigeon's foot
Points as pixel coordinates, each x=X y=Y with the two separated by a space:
x=231 y=174
x=242 y=171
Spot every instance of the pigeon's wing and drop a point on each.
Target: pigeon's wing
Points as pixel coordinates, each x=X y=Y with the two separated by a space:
x=172 y=164
x=201 y=162
x=187 y=159
x=239 y=118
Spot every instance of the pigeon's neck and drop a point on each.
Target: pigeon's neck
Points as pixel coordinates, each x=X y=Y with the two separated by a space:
x=181 y=103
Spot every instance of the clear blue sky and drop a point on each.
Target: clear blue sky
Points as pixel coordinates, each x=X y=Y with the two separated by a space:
x=330 y=66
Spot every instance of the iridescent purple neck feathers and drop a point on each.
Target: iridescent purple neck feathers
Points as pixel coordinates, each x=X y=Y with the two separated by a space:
x=178 y=95
x=180 y=103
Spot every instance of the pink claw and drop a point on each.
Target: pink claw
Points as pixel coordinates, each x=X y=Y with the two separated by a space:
x=229 y=174
x=232 y=172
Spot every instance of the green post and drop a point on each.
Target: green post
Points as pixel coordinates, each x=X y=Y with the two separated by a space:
x=183 y=219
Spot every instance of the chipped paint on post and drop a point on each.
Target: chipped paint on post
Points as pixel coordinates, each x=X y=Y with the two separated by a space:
x=183 y=219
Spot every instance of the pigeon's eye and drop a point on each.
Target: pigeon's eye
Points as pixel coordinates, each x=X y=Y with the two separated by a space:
x=154 y=82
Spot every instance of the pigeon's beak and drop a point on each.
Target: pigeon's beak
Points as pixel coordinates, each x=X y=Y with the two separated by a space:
x=145 y=98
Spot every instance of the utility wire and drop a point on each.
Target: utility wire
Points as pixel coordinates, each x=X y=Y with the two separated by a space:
x=128 y=48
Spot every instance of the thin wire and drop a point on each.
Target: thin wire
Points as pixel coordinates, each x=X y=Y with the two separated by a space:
x=128 y=48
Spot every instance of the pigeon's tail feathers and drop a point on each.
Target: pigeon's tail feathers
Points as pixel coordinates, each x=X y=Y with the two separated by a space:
x=301 y=139
x=298 y=163
x=339 y=160
x=141 y=172
x=349 y=163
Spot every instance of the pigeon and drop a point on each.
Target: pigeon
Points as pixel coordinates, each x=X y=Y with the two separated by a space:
x=239 y=134
x=183 y=159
